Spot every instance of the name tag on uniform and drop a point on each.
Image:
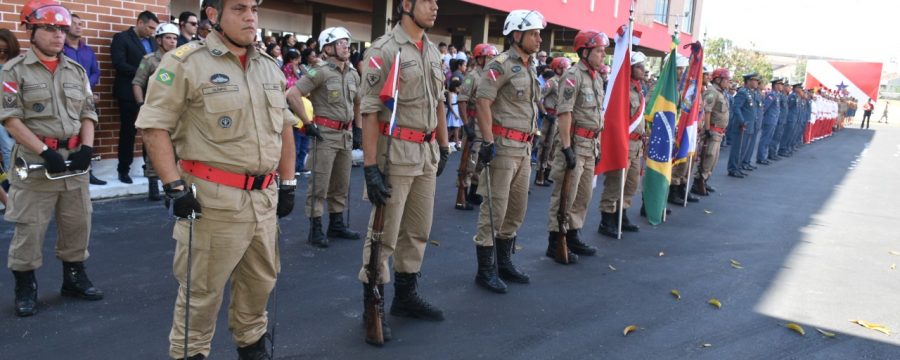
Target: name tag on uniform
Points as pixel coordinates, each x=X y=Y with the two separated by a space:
x=272 y=87
x=407 y=64
x=71 y=86
x=34 y=86
x=219 y=89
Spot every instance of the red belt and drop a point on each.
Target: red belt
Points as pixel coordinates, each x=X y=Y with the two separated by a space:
x=227 y=178
x=471 y=111
x=54 y=143
x=551 y=112
x=585 y=133
x=512 y=134
x=635 y=136
x=717 y=129
x=408 y=134
x=332 y=124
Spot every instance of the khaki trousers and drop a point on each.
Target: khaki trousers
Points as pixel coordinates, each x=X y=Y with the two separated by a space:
x=332 y=172
x=612 y=181
x=244 y=252
x=679 y=173
x=710 y=154
x=548 y=142
x=509 y=184
x=407 y=224
x=579 y=192
x=473 y=168
x=32 y=210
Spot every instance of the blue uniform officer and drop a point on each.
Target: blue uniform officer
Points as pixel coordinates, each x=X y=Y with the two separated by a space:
x=741 y=126
x=771 y=114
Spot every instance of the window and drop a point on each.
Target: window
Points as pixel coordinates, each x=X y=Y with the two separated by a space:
x=661 y=11
x=688 y=16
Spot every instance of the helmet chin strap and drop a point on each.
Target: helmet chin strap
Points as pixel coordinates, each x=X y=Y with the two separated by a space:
x=411 y=16
x=218 y=28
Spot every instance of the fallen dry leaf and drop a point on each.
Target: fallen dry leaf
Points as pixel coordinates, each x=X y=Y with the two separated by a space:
x=518 y=247
x=676 y=294
x=707 y=211
x=827 y=334
x=797 y=328
x=435 y=243
x=706 y=345
x=613 y=268
x=662 y=253
x=628 y=329
x=715 y=302
x=877 y=327
x=737 y=266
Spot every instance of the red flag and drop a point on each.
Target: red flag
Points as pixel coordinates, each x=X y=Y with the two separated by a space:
x=388 y=94
x=614 y=137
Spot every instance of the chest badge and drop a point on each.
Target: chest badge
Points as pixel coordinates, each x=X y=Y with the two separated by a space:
x=216 y=52
x=38 y=107
x=225 y=122
x=219 y=79
x=516 y=68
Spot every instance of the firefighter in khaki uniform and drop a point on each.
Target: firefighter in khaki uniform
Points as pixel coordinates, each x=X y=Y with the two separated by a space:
x=407 y=193
x=221 y=103
x=715 y=120
x=483 y=54
x=508 y=97
x=48 y=108
x=612 y=183
x=549 y=101
x=580 y=109
x=332 y=87
x=166 y=38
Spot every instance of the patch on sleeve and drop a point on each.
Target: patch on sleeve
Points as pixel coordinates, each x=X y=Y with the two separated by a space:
x=375 y=62
x=570 y=82
x=9 y=101
x=373 y=78
x=165 y=76
x=568 y=92
x=311 y=73
x=10 y=87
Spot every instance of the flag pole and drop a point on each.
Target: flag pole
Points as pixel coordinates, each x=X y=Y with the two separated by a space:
x=687 y=184
x=630 y=36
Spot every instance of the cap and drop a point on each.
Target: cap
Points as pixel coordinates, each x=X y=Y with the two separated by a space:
x=751 y=76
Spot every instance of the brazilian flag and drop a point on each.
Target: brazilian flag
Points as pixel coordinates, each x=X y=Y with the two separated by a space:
x=660 y=115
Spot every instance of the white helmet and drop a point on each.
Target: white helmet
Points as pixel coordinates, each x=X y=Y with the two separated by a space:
x=707 y=69
x=331 y=35
x=681 y=61
x=637 y=58
x=167 y=28
x=523 y=20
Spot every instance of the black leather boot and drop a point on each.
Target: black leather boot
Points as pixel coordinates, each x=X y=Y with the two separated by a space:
x=547 y=176
x=575 y=245
x=257 y=351
x=505 y=267
x=687 y=194
x=709 y=187
x=699 y=187
x=77 y=284
x=473 y=196
x=368 y=295
x=26 y=293
x=407 y=302
x=194 y=357
x=316 y=237
x=94 y=180
x=626 y=223
x=337 y=228
x=486 y=276
x=552 y=243
x=675 y=195
x=609 y=225
x=153 y=189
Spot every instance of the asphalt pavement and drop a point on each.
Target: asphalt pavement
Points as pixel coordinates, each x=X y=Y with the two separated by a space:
x=814 y=236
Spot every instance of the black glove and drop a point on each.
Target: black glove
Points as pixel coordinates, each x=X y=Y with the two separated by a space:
x=312 y=131
x=183 y=203
x=357 y=138
x=550 y=119
x=469 y=129
x=81 y=159
x=376 y=189
x=570 y=157
x=487 y=152
x=285 y=201
x=445 y=154
x=53 y=161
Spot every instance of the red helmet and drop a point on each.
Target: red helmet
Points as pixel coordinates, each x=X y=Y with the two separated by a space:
x=559 y=63
x=45 y=12
x=484 y=50
x=604 y=69
x=721 y=73
x=589 y=39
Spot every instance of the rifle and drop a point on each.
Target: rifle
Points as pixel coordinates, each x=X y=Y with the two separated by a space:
x=462 y=174
x=562 y=212
x=546 y=143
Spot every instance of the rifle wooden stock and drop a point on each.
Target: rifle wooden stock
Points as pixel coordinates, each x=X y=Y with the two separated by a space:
x=546 y=143
x=462 y=173
x=562 y=212
x=374 y=332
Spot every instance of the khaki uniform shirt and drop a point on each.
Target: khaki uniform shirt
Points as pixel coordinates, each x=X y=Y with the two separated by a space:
x=582 y=95
x=146 y=69
x=467 y=94
x=223 y=116
x=549 y=93
x=332 y=94
x=49 y=104
x=634 y=98
x=716 y=104
x=511 y=83
x=421 y=87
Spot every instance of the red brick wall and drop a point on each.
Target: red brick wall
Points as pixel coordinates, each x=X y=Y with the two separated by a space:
x=103 y=19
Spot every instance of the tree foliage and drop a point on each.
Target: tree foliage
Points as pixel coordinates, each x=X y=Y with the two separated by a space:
x=719 y=52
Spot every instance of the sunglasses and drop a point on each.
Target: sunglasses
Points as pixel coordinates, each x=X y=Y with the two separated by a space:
x=193 y=23
x=54 y=28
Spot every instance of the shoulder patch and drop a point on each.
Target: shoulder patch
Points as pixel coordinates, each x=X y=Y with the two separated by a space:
x=311 y=73
x=183 y=51
x=165 y=76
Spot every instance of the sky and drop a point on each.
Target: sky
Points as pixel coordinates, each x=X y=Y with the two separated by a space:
x=866 y=30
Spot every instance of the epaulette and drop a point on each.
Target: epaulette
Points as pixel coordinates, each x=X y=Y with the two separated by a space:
x=182 y=52
x=266 y=56
x=9 y=64
x=501 y=58
x=381 y=40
